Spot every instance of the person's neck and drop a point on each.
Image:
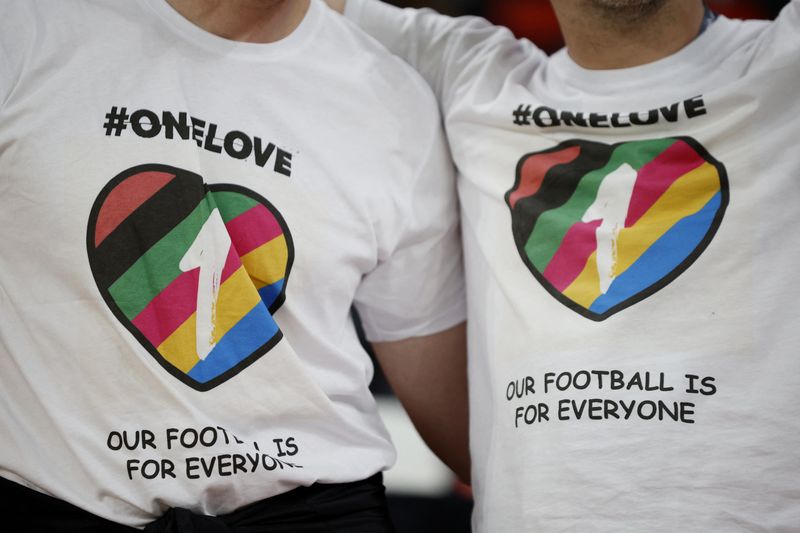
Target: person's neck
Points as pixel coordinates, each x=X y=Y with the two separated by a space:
x=252 y=21
x=605 y=38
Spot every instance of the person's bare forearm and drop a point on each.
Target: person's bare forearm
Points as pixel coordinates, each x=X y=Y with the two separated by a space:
x=429 y=377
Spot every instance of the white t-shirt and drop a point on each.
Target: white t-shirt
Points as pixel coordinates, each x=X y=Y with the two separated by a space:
x=631 y=257
x=186 y=224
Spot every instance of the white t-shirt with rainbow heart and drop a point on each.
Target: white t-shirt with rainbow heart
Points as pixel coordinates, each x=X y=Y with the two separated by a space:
x=631 y=258
x=186 y=224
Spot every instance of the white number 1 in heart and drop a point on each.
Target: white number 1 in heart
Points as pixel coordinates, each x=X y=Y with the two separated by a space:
x=209 y=252
x=611 y=206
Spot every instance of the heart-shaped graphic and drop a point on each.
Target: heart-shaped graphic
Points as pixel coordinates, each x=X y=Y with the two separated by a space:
x=603 y=227
x=193 y=271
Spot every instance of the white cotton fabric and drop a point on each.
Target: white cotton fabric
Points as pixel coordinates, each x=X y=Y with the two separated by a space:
x=370 y=203
x=730 y=317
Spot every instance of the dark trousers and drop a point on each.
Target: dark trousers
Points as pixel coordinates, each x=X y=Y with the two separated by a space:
x=358 y=507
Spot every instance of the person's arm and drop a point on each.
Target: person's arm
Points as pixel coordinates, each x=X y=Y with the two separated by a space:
x=429 y=376
x=780 y=47
x=450 y=53
x=412 y=302
x=788 y=30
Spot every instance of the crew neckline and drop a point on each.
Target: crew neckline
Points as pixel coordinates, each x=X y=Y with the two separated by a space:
x=196 y=35
x=682 y=66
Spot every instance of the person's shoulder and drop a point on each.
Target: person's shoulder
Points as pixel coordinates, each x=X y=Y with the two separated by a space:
x=47 y=10
x=785 y=30
x=765 y=43
x=361 y=56
x=43 y=20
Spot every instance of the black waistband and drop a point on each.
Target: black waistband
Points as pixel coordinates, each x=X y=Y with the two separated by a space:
x=354 y=507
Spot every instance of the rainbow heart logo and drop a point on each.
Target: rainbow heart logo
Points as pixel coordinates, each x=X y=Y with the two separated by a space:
x=193 y=271
x=603 y=227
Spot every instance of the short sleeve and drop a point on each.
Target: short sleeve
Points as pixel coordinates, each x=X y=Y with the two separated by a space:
x=417 y=289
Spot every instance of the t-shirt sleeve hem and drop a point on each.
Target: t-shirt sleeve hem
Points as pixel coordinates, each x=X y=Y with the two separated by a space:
x=453 y=315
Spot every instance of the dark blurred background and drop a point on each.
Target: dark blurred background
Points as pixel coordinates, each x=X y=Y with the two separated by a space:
x=424 y=497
